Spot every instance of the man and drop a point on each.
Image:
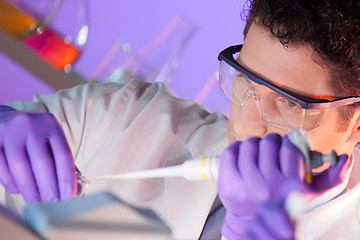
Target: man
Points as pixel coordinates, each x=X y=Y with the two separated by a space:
x=285 y=77
x=310 y=49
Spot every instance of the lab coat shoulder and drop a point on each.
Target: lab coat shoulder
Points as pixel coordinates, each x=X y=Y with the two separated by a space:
x=75 y=108
x=93 y=108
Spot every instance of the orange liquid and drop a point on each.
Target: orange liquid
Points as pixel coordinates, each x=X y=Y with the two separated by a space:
x=14 y=21
x=53 y=48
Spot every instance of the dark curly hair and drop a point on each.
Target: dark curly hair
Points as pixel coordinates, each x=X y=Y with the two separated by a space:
x=331 y=27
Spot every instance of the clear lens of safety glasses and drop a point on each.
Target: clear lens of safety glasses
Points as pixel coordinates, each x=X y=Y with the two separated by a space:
x=274 y=108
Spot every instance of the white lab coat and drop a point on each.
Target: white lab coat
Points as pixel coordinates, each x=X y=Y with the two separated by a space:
x=113 y=128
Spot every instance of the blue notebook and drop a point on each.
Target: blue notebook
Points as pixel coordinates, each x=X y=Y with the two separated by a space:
x=13 y=227
x=97 y=216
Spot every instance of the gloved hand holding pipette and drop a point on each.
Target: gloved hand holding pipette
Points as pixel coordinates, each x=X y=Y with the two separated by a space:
x=252 y=172
x=35 y=159
x=272 y=220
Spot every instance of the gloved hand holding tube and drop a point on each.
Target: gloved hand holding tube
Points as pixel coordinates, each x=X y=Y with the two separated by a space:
x=35 y=159
x=251 y=173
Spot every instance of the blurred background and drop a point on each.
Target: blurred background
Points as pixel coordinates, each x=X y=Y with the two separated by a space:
x=212 y=25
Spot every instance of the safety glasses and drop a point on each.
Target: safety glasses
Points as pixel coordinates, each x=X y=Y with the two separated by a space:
x=277 y=106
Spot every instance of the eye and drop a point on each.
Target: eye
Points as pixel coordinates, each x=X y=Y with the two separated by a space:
x=287 y=103
x=244 y=79
x=292 y=104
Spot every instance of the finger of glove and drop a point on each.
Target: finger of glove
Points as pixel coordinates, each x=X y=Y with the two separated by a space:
x=331 y=176
x=228 y=171
x=291 y=160
x=275 y=221
x=43 y=167
x=64 y=164
x=232 y=192
x=335 y=172
x=234 y=226
x=288 y=187
x=6 y=178
x=248 y=162
x=269 y=158
x=256 y=230
x=5 y=108
x=20 y=169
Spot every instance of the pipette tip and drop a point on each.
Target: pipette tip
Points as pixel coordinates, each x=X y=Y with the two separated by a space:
x=105 y=177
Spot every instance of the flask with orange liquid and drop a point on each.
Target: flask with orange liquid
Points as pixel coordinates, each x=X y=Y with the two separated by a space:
x=61 y=41
x=53 y=48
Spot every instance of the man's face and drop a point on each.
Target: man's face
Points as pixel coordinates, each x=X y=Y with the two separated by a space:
x=297 y=69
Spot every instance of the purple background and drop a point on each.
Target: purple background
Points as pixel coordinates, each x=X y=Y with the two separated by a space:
x=218 y=23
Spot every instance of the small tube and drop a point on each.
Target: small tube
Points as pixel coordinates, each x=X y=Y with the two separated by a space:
x=82 y=182
x=302 y=141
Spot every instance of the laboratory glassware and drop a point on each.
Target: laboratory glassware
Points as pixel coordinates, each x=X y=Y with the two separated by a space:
x=157 y=61
x=82 y=182
x=211 y=97
x=21 y=18
x=61 y=42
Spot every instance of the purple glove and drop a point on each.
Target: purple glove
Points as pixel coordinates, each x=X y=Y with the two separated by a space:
x=271 y=222
x=251 y=173
x=329 y=178
x=35 y=159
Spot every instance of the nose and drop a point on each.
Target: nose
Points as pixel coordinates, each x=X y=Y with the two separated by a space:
x=245 y=121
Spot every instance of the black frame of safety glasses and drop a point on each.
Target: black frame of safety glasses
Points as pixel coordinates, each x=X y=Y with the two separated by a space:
x=305 y=102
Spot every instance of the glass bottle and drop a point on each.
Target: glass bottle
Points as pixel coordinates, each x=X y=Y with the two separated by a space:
x=61 y=42
x=22 y=17
x=211 y=96
x=156 y=61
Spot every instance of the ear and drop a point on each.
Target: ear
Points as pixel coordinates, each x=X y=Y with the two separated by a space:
x=354 y=131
